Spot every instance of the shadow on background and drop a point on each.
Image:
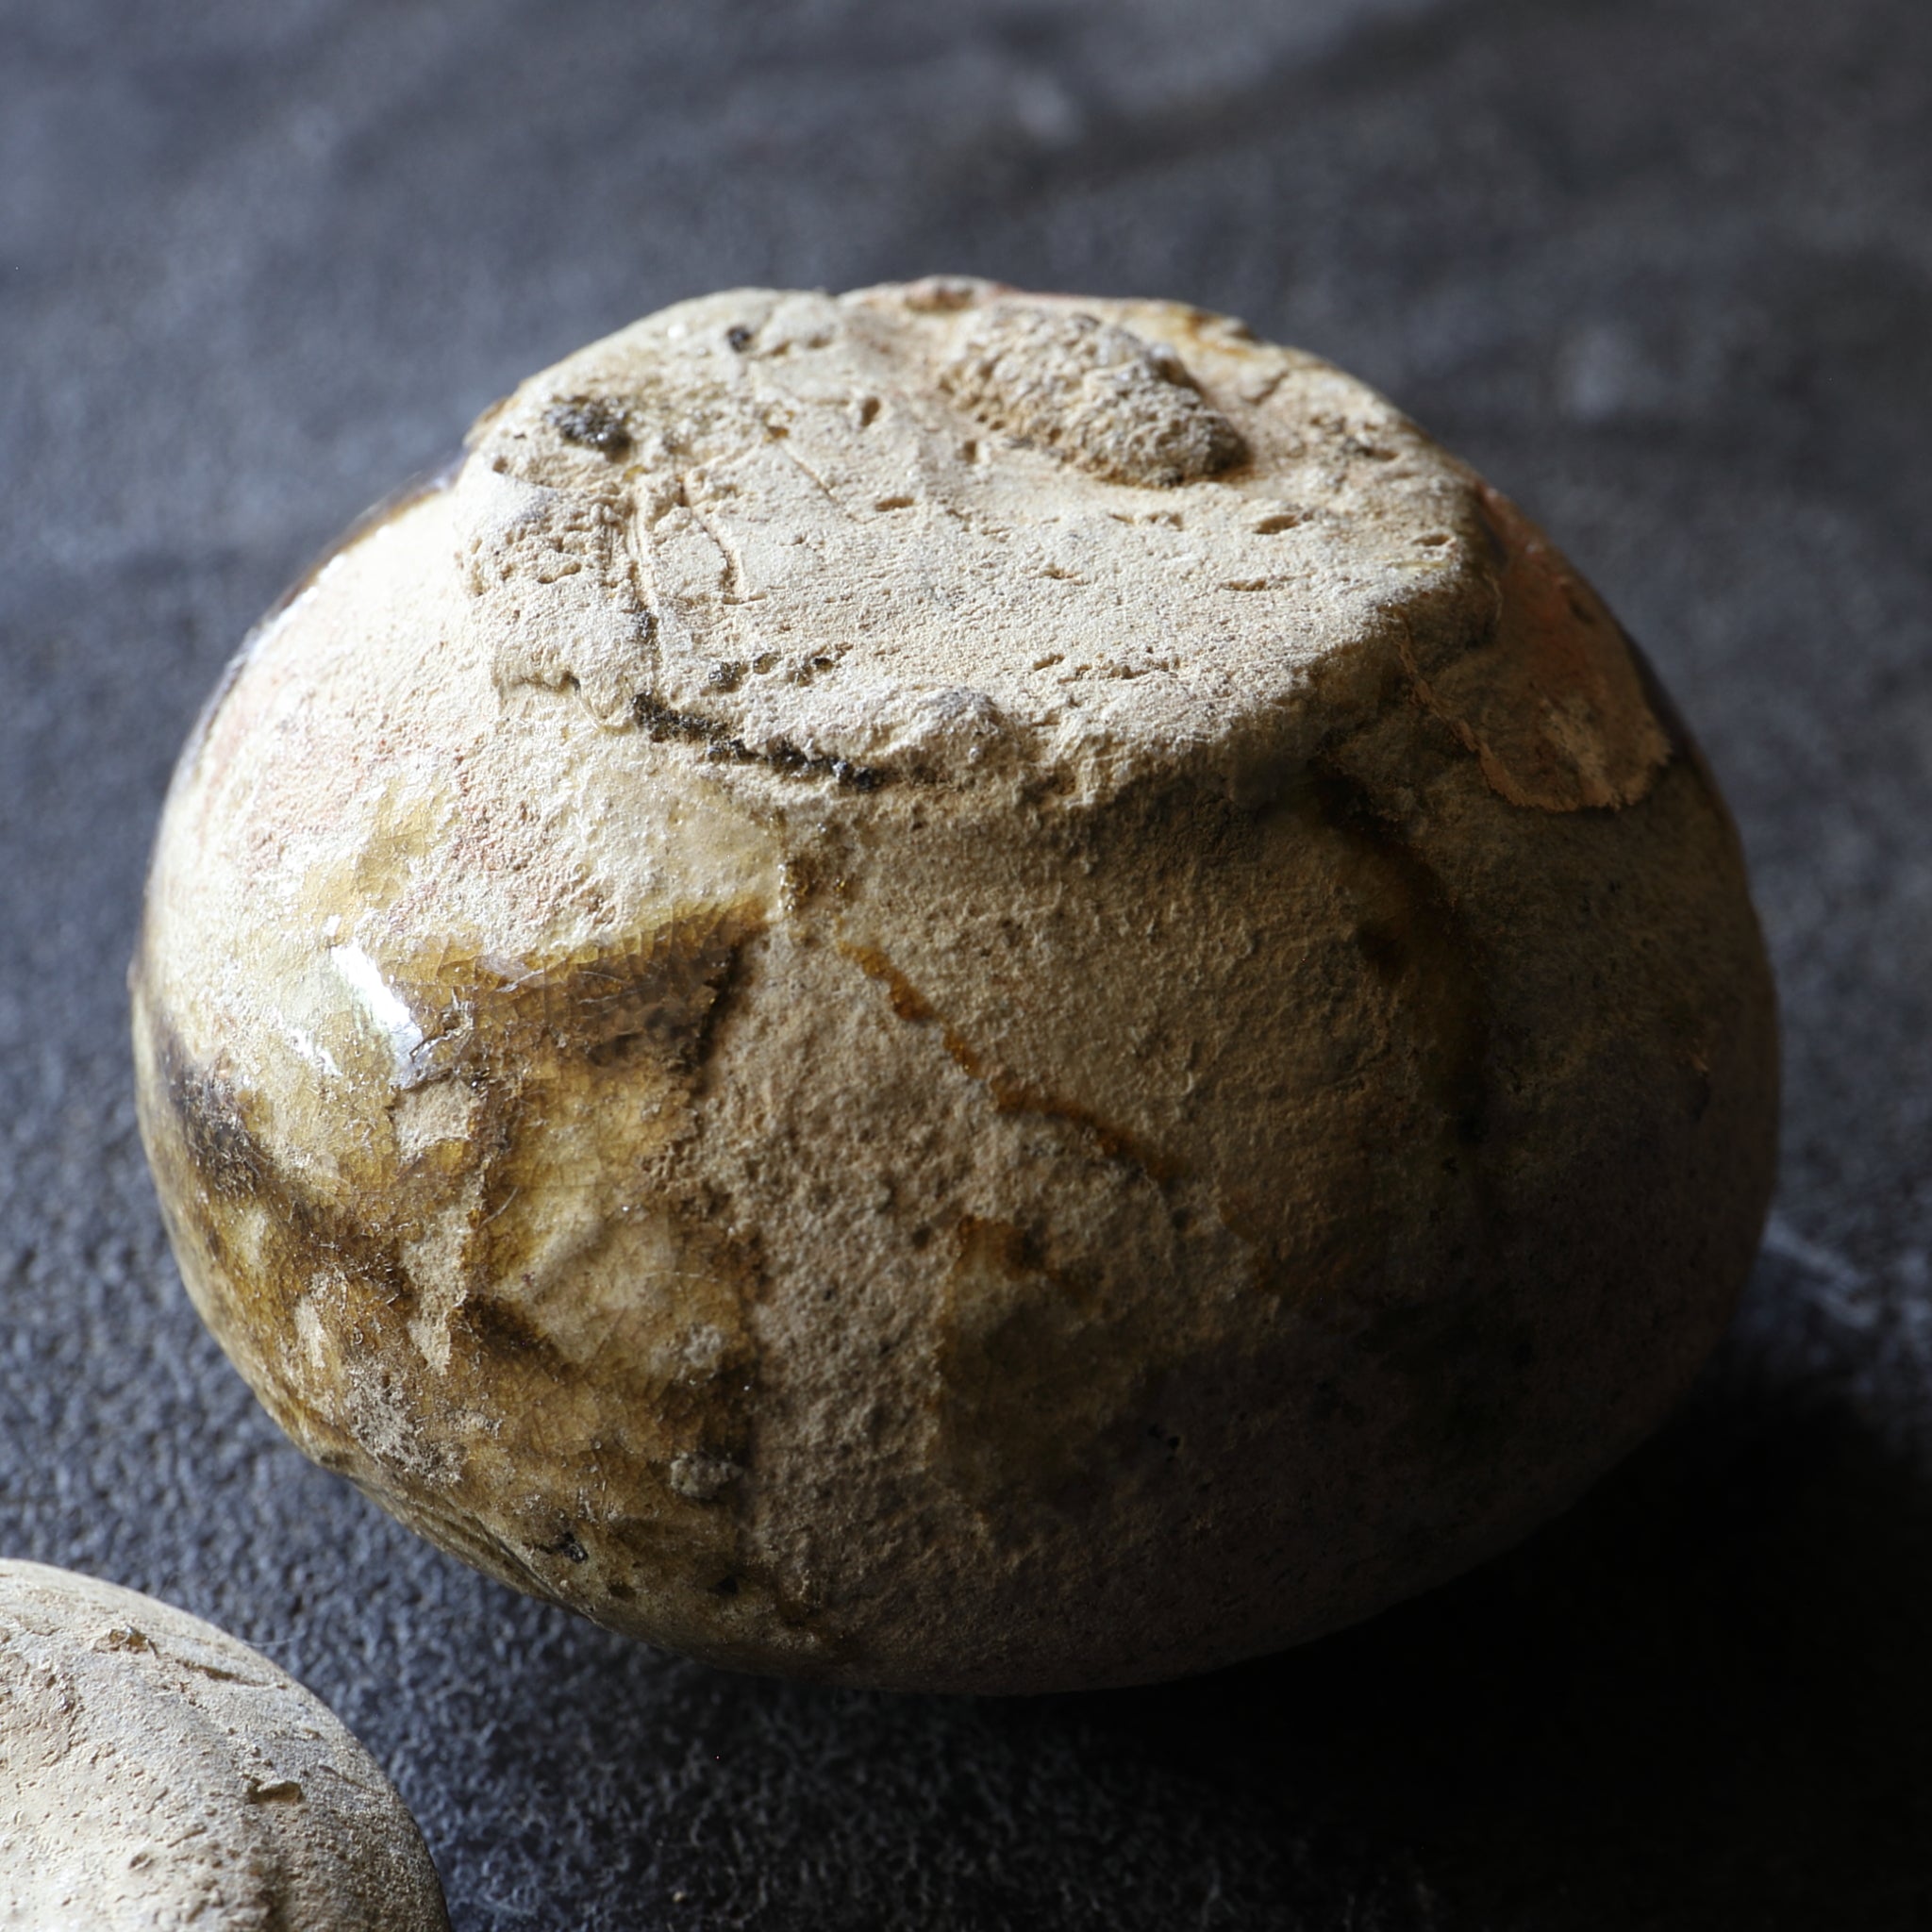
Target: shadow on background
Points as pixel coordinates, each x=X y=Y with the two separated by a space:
x=1703 y=1698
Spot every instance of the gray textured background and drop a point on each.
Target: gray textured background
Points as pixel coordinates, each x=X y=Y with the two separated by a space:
x=1663 y=268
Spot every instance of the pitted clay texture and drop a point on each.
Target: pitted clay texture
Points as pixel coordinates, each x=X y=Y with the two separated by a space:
x=952 y=988
x=156 y=1774
x=915 y=529
x=1096 y=396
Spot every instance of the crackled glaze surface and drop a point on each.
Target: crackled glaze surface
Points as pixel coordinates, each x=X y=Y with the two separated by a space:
x=951 y=989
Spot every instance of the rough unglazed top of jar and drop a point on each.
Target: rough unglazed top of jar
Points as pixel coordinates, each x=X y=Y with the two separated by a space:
x=960 y=989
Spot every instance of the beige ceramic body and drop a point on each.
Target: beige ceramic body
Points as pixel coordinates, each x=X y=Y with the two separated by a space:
x=946 y=991
x=156 y=1772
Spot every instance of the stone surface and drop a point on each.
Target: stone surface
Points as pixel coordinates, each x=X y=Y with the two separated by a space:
x=956 y=990
x=155 y=1773
x=1658 y=270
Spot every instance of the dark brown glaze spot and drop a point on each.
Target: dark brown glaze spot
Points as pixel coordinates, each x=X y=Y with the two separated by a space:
x=661 y=722
x=208 y=1115
x=497 y=1327
x=651 y=995
x=591 y=422
x=226 y=1167
x=202 y=1140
